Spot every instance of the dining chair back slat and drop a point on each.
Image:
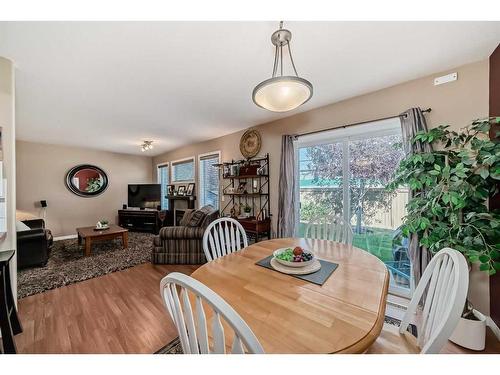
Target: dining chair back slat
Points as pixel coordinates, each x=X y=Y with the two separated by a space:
x=194 y=337
x=331 y=228
x=189 y=318
x=223 y=236
x=202 y=326
x=218 y=330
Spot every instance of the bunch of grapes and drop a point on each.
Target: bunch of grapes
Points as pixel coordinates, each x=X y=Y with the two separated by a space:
x=295 y=255
x=299 y=255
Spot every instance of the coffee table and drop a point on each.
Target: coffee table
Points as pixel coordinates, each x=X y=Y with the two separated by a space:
x=91 y=235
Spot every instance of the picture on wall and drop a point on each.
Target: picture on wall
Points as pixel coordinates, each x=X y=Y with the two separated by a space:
x=241 y=188
x=190 y=190
x=170 y=189
x=181 y=190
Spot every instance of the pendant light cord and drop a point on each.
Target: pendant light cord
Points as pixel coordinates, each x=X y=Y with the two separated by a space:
x=281 y=58
x=291 y=59
x=278 y=57
x=275 y=66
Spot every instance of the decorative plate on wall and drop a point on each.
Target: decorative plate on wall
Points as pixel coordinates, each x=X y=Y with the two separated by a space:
x=250 y=143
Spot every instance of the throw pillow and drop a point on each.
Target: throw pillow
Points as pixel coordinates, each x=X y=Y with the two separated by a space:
x=211 y=215
x=186 y=217
x=196 y=218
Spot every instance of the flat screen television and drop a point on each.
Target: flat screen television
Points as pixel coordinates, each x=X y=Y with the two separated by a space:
x=144 y=195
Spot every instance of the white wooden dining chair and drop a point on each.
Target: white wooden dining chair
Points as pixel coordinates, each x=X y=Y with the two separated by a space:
x=223 y=236
x=332 y=228
x=191 y=323
x=445 y=281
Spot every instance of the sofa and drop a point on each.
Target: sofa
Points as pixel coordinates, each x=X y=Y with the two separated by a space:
x=183 y=244
x=33 y=243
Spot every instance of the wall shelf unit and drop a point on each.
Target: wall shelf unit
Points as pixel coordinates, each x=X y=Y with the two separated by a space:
x=246 y=183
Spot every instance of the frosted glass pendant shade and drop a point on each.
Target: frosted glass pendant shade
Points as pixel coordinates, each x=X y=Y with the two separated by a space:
x=281 y=94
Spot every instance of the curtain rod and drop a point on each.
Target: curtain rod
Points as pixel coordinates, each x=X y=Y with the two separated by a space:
x=357 y=123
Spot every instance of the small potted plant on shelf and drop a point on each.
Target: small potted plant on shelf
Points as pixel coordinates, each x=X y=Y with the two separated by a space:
x=448 y=207
x=247 y=210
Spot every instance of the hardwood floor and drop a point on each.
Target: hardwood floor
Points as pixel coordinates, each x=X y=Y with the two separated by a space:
x=391 y=342
x=121 y=312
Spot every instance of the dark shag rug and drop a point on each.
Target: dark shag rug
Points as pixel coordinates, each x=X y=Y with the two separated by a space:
x=68 y=265
x=175 y=347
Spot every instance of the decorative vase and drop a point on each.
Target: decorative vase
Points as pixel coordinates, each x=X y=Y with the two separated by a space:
x=470 y=334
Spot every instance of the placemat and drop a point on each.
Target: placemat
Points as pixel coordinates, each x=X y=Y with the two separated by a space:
x=318 y=277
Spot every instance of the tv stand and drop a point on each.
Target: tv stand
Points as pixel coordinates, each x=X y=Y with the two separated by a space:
x=137 y=220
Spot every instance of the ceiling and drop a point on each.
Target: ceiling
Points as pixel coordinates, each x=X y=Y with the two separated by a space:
x=111 y=85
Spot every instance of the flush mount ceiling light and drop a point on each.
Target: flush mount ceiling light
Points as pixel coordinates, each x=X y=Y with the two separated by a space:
x=147 y=145
x=282 y=93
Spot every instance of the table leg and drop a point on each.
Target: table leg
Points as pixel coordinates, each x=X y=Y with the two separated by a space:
x=9 y=346
x=125 y=239
x=14 y=319
x=88 y=246
x=79 y=239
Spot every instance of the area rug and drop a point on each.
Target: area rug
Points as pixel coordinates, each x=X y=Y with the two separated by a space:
x=175 y=347
x=68 y=265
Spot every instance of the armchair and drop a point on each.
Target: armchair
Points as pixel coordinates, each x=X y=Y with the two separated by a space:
x=183 y=244
x=33 y=245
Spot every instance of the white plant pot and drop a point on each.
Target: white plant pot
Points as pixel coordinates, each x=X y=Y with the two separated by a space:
x=470 y=334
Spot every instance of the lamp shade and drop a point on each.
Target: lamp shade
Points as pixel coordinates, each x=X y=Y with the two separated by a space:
x=281 y=94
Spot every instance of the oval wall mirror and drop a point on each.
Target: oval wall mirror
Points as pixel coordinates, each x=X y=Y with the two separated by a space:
x=86 y=180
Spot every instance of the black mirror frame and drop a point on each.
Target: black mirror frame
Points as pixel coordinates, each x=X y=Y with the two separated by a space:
x=71 y=173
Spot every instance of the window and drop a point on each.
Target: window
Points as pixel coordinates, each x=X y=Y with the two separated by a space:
x=344 y=172
x=162 y=178
x=183 y=170
x=208 y=180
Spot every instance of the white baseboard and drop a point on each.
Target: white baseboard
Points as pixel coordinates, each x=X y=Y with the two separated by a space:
x=69 y=237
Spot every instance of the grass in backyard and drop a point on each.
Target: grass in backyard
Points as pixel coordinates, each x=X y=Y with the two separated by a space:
x=376 y=241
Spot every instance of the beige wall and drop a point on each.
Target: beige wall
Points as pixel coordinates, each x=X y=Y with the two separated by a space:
x=41 y=171
x=8 y=147
x=455 y=104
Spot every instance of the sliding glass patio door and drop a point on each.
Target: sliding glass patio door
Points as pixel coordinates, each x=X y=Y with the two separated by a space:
x=344 y=172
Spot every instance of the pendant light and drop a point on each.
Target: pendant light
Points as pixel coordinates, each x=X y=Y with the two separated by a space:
x=282 y=93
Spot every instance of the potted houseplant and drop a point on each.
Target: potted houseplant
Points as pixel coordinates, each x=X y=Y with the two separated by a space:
x=247 y=210
x=448 y=206
x=102 y=224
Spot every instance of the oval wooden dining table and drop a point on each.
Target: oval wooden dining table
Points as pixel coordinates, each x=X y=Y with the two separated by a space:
x=290 y=315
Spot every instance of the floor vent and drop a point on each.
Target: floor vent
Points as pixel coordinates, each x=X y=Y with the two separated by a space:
x=397 y=305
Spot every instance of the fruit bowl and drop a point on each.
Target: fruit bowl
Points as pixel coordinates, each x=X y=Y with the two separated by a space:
x=289 y=256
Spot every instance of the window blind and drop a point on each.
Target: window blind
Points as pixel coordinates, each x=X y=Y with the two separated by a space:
x=163 y=179
x=209 y=181
x=183 y=171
